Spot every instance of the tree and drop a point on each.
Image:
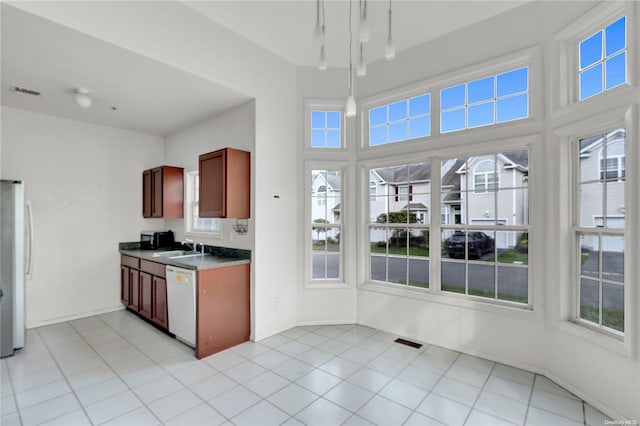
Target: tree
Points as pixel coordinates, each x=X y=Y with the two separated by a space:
x=397 y=217
x=319 y=229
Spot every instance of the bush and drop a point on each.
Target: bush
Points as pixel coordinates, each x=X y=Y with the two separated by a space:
x=523 y=244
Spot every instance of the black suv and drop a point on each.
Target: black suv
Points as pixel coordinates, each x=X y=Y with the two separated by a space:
x=479 y=244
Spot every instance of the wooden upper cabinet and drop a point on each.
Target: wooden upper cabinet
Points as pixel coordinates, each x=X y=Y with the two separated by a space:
x=163 y=192
x=225 y=184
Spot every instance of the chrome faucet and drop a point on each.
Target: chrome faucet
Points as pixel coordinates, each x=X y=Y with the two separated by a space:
x=193 y=245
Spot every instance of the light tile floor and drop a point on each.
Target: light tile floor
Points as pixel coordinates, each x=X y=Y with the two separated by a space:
x=115 y=369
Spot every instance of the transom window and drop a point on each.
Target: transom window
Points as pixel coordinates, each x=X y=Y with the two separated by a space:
x=599 y=230
x=400 y=121
x=490 y=100
x=326 y=129
x=603 y=59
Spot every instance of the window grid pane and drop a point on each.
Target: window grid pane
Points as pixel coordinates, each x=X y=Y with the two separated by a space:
x=400 y=121
x=490 y=100
x=478 y=257
x=326 y=228
x=602 y=60
x=326 y=129
x=599 y=231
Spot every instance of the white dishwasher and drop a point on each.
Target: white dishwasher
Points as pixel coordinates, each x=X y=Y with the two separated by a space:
x=181 y=303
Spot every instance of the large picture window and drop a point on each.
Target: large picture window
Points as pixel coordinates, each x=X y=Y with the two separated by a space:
x=399 y=217
x=485 y=253
x=599 y=227
x=603 y=59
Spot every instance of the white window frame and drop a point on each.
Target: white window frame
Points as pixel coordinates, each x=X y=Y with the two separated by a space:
x=434 y=293
x=309 y=282
x=620 y=165
x=604 y=58
x=599 y=232
x=407 y=120
x=323 y=105
x=530 y=57
x=565 y=80
x=191 y=209
x=466 y=105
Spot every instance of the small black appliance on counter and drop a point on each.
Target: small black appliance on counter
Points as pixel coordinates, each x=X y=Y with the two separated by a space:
x=153 y=240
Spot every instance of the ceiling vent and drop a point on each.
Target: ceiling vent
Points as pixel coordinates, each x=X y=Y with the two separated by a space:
x=26 y=91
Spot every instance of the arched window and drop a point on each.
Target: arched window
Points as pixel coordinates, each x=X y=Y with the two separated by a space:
x=485 y=177
x=612 y=167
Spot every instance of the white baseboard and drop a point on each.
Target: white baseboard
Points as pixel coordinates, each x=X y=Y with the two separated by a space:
x=74 y=317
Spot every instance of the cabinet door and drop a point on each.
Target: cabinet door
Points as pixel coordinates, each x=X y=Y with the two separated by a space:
x=212 y=184
x=146 y=193
x=160 y=313
x=145 y=294
x=134 y=289
x=156 y=199
x=125 y=286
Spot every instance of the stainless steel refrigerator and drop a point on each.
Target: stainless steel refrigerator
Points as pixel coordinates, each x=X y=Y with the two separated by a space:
x=15 y=231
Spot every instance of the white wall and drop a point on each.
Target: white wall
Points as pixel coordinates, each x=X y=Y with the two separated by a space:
x=172 y=33
x=235 y=129
x=85 y=185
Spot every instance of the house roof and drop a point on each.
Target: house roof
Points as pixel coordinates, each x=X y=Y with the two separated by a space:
x=415 y=206
x=402 y=174
x=587 y=145
x=451 y=178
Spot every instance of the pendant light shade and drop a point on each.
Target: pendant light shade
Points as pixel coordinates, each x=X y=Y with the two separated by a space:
x=361 y=70
x=390 y=49
x=350 y=108
x=322 y=60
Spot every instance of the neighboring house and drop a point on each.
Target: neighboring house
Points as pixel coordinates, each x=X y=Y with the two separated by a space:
x=325 y=206
x=596 y=167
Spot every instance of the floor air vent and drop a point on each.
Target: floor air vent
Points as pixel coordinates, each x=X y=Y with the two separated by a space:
x=408 y=343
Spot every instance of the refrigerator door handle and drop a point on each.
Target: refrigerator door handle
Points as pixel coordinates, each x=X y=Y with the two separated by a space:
x=29 y=239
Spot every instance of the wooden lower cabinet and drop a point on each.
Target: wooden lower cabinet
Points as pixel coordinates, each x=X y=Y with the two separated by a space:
x=160 y=314
x=125 y=285
x=146 y=289
x=222 y=309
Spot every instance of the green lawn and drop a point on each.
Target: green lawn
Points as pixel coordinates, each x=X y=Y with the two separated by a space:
x=482 y=293
x=512 y=256
x=610 y=318
x=412 y=283
x=321 y=246
x=413 y=251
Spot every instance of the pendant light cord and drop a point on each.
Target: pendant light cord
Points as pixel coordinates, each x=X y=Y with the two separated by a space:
x=389 y=19
x=350 y=59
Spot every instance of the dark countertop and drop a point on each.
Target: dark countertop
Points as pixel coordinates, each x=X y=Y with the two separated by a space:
x=199 y=263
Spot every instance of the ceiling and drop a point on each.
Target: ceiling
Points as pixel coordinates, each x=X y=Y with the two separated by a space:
x=129 y=91
x=285 y=27
x=133 y=92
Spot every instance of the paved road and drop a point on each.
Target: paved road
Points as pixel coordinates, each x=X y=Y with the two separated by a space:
x=511 y=280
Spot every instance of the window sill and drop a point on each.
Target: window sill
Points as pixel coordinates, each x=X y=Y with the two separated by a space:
x=325 y=285
x=610 y=341
x=451 y=299
x=210 y=235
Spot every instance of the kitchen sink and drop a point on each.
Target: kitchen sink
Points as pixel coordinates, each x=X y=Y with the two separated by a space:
x=191 y=254
x=170 y=253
